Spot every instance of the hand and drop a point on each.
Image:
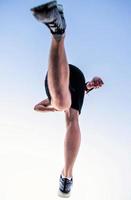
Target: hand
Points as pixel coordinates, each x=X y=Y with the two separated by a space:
x=95 y=83
x=44 y=106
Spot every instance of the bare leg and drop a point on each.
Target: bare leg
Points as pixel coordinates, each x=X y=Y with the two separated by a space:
x=72 y=141
x=58 y=76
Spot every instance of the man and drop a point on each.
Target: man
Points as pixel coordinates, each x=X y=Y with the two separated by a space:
x=65 y=87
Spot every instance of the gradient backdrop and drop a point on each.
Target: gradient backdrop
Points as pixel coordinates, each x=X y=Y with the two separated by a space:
x=31 y=144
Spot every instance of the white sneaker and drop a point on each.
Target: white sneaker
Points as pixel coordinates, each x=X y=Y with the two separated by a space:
x=65 y=186
x=52 y=16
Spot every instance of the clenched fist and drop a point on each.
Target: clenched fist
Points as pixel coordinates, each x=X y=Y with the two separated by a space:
x=96 y=82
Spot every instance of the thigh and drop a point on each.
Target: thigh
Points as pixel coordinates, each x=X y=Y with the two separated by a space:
x=60 y=102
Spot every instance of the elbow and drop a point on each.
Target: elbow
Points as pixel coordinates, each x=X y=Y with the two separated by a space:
x=36 y=108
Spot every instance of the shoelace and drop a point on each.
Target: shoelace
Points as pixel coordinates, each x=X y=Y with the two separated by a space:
x=54 y=27
x=66 y=184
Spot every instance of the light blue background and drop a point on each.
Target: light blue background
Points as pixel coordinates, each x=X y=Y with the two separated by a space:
x=98 y=41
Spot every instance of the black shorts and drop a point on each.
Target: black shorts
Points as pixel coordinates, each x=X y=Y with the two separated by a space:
x=76 y=86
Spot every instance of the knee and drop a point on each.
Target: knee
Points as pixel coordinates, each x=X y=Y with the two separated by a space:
x=72 y=116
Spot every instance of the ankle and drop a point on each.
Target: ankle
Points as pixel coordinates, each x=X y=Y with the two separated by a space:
x=67 y=173
x=58 y=38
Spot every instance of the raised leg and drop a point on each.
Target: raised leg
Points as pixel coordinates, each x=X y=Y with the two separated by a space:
x=72 y=141
x=58 y=76
x=52 y=15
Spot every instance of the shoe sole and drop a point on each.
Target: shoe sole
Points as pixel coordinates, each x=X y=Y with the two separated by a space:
x=46 y=6
x=64 y=195
x=60 y=8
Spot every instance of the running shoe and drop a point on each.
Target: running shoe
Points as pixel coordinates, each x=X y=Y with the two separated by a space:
x=52 y=16
x=65 y=187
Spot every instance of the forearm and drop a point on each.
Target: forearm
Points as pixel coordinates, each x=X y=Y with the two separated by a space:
x=88 y=90
x=41 y=108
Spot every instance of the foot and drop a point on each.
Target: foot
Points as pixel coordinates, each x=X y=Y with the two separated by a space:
x=65 y=187
x=52 y=16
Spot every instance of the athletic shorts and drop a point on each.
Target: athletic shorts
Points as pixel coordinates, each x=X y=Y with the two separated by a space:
x=77 y=87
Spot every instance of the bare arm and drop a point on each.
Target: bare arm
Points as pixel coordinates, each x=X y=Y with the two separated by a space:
x=44 y=106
